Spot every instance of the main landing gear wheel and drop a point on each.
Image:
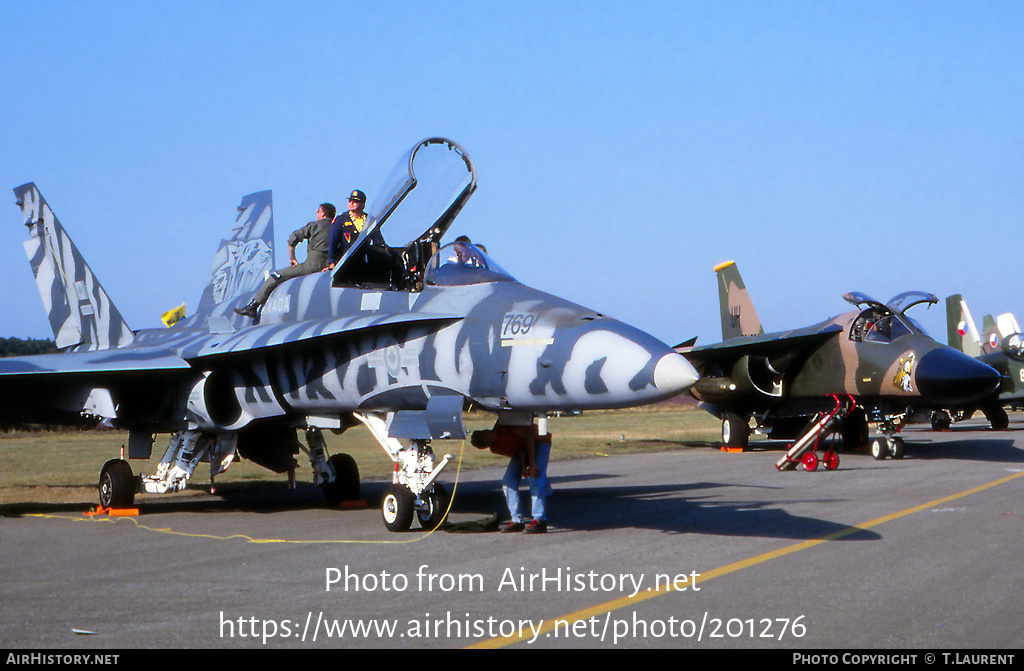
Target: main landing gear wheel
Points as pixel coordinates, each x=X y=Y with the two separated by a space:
x=398 y=507
x=735 y=431
x=345 y=485
x=997 y=417
x=117 y=484
x=436 y=507
x=941 y=420
x=853 y=431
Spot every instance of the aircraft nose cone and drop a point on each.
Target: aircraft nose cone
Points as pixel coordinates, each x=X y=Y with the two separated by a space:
x=946 y=375
x=673 y=374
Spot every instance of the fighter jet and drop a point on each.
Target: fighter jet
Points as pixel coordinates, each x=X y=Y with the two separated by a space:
x=397 y=338
x=1002 y=347
x=876 y=359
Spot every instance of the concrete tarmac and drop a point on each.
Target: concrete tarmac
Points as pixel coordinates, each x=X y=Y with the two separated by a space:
x=921 y=553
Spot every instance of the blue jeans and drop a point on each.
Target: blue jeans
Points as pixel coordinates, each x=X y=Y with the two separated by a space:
x=539 y=487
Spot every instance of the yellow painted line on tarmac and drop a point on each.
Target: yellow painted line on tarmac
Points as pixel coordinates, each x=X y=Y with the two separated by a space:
x=601 y=609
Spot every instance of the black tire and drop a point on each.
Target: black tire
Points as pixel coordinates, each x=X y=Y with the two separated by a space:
x=896 y=448
x=853 y=431
x=735 y=431
x=437 y=500
x=117 y=484
x=997 y=417
x=879 y=449
x=941 y=420
x=345 y=486
x=398 y=508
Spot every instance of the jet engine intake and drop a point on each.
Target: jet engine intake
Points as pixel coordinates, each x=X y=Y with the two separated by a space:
x=224 y=400
x=755 y=375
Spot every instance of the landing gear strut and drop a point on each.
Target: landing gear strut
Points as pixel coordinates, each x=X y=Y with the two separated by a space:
x=338 y=475
x=413 y=491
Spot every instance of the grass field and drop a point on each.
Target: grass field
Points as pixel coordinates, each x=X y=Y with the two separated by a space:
x=63 y=467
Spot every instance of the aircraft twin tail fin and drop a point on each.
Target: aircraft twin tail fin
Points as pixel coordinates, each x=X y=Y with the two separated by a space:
x=961 y=333
x=739 y=318
x=996 y=329
x=81 y=313
x=242 y=262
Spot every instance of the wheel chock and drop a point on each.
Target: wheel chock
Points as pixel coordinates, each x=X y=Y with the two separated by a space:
x=113 y=512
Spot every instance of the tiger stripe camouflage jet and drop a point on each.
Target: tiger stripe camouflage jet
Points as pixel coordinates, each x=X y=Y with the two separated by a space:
x=398 y=339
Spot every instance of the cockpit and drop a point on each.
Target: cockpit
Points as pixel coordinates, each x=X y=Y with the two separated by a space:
x=878 y=325
x=460 y=263
x=885 y=323
x=418 y=203
x=1013 y=346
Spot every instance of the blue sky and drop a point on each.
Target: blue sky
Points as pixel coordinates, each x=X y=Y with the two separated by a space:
x=622 y=148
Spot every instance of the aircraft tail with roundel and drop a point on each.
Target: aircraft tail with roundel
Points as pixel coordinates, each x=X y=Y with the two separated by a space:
x=961 y=333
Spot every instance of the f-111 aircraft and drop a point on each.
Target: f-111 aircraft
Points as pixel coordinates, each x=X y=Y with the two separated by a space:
x=876 y=355
x=1000 y=346
x=397 y=338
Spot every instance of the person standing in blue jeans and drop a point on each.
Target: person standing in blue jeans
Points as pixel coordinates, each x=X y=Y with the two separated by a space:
x=528 y=453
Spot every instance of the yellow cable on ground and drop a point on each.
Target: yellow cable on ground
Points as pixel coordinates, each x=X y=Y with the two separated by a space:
x=250 y=539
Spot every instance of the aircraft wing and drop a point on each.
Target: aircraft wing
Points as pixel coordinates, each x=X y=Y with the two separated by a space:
x=58 y=388
x=774 y=346
x=103 y=361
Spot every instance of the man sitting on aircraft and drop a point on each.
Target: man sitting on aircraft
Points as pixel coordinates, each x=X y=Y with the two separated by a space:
x=319 y=234
x=347 y=226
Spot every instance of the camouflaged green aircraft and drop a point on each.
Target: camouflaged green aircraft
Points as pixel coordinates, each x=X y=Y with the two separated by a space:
x=1000 y=346
x=876 y=357
x=398 y=339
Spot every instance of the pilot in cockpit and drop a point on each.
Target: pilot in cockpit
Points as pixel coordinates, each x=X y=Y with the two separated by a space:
x=464 y=253
x=461 y=263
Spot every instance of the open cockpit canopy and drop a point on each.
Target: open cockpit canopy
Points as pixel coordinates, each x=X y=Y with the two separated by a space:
x=886 y=322
x=419 y=201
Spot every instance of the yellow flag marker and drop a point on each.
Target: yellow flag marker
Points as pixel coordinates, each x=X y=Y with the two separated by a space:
x=174 y=316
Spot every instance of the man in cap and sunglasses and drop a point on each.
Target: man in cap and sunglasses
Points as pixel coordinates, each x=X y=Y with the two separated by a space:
x=347 y=226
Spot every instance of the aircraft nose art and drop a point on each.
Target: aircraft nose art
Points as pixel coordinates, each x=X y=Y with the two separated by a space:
x=946 y=375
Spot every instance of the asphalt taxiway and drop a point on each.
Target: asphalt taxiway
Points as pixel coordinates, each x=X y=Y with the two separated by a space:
x=691 y=548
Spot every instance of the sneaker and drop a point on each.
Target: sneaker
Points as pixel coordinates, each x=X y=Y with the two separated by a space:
x=536 y=527
x=512 y=527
